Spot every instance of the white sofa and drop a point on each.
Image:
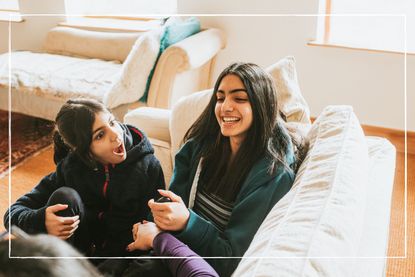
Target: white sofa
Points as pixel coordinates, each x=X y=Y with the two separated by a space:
x=335 y=219
x=111 y=67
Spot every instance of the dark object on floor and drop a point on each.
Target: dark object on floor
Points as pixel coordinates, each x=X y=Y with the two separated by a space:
x=29 y=135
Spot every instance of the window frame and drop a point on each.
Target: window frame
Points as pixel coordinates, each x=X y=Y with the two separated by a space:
x=323 y=34
x=5 y=14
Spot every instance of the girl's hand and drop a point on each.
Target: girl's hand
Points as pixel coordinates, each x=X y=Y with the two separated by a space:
x=143 y=234
x=171 y=216
x=62 y=227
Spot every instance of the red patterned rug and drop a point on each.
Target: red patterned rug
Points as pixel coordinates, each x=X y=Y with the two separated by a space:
x=29 y=135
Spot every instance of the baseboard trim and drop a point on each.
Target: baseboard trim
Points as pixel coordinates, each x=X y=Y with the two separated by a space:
x=395 y=136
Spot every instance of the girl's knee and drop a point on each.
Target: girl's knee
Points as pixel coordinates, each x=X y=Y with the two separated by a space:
x=67 y=196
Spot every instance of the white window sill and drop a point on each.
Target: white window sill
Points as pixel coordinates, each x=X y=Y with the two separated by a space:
x=112 y=24
x=15 y=18
x=333 y=45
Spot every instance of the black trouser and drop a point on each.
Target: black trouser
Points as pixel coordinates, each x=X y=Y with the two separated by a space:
x=81 y=240
x=70 y=197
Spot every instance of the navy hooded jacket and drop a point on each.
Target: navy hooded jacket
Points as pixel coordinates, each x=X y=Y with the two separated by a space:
x=114 y=197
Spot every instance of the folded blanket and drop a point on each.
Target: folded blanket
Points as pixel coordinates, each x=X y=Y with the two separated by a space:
x=56 y=76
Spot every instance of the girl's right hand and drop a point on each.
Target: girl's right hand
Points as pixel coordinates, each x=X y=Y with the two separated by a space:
x=171 y=216
x=62 y=227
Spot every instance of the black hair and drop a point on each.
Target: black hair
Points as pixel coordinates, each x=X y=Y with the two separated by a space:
x=73 y=132
x=266 y=136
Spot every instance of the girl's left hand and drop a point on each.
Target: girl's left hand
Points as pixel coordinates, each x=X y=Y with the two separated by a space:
x=143 y=234
x=171 y=216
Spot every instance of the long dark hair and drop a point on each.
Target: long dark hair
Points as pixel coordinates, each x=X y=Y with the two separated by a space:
x=73 y=132
x=267 y=135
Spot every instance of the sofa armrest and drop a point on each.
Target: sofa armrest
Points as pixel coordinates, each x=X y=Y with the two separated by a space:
x=184 y=68
x=196 y=50
x=153 y=121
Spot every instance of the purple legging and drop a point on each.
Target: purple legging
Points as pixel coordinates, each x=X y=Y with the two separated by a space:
x=165 y=244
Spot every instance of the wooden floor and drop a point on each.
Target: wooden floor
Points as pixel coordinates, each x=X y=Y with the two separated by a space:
x=402 y=266
x=29 y=173
x=24 y=177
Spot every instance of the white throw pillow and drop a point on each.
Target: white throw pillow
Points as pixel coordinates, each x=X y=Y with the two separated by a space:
x=290 y=99
x=322 y=215
x=135 y=71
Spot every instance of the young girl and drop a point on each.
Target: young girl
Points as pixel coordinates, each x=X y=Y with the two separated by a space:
x=106 y=172
x=238 y=160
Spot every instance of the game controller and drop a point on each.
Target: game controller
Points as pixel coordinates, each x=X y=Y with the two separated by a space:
x=163 y=199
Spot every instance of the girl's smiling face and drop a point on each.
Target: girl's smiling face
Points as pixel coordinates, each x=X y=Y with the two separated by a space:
x=107 y=145
x=233 y=110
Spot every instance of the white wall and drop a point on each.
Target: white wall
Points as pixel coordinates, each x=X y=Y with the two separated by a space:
x=373 y=83
x=29 y=35
x=247 y=6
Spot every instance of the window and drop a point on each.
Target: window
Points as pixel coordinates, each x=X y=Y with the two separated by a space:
x=8 y=7
x=367 y=24
x=120 y=7
x=126 y=15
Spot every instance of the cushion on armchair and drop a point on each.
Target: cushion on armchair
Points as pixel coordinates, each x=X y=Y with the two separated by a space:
x=178 y=30
x=135 y=71
x=89 y=44
x=175 y=30
x=323 y=214
x=292 y=102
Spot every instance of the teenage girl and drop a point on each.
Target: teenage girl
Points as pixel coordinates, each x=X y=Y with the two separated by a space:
x=237 y=162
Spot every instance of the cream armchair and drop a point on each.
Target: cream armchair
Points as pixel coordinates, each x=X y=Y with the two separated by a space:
x=110 y=67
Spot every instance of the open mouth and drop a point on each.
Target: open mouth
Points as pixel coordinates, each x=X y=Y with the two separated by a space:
x=119 y=150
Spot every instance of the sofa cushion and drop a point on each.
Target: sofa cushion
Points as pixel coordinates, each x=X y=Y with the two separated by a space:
x=153 y=121
x=321 y=217
x=374 y=242
x=89 y=44
x=290 y=99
